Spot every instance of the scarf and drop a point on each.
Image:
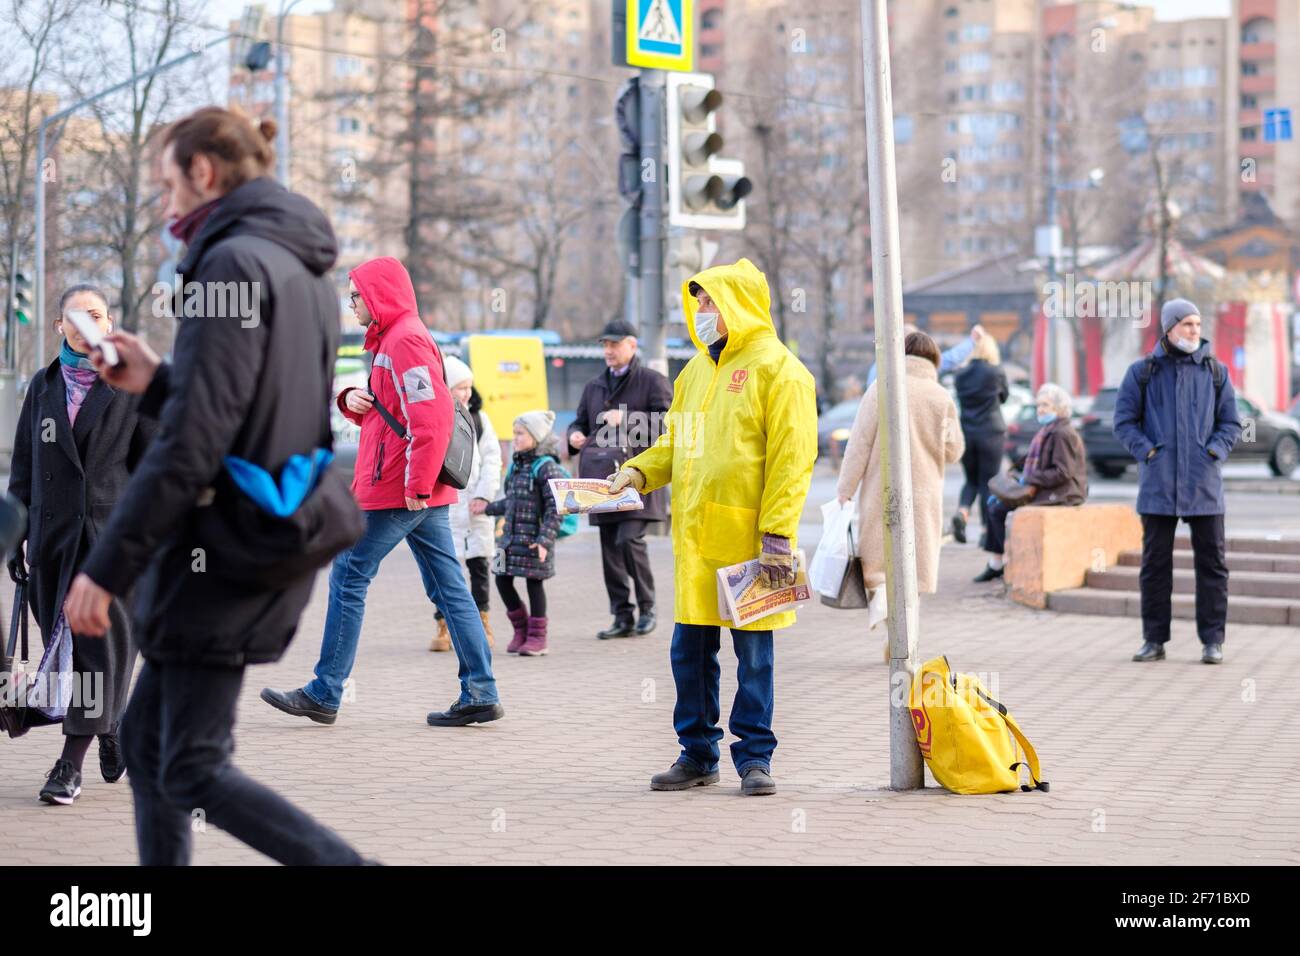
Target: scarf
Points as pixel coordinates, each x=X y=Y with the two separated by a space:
x=1035 y=452
x=78 y=378
x=187 y=226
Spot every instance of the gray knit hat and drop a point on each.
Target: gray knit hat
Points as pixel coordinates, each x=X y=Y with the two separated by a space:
x=538 y=424
x=1174 y=311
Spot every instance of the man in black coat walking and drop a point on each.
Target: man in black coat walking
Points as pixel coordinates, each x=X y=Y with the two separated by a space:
x=620 y=414
x=255 y=386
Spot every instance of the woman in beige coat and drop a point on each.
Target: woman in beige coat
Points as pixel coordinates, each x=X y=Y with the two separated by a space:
x=936 y=443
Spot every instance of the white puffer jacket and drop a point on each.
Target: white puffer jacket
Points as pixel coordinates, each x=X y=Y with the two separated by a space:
x=474 y=534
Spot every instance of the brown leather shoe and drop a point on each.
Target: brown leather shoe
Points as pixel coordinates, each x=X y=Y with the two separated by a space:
x=441 y=640
x=487 y=628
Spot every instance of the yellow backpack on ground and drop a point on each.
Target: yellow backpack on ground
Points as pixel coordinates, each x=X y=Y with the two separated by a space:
x=970 y=742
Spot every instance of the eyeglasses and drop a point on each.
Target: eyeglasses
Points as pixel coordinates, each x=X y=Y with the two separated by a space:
x=353 y=298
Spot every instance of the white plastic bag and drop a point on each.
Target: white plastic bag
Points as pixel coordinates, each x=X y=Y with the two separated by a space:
x=835 y=550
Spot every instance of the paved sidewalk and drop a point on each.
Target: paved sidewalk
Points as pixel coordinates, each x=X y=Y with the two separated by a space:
x=1149 y=764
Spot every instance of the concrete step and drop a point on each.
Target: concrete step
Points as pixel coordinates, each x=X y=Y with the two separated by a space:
x=1237 y=561
x=1252 y=544
x=1245 y=583
x=1241 y=610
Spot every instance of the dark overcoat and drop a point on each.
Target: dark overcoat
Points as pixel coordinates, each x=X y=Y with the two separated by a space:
x=70 y=479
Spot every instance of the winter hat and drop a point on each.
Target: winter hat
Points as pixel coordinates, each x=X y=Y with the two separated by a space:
x=538 y=423
x=457 y=371
x=1174 y=311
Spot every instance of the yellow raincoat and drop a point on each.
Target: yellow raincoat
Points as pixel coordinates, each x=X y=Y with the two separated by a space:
x=739 y=445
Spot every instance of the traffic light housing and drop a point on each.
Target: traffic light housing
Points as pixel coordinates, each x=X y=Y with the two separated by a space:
x=22 y=295
x=705 y=191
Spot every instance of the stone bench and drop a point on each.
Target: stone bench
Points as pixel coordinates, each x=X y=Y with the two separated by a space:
x=1053 y=548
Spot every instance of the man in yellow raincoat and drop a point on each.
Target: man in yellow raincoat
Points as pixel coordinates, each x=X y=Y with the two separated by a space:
x=738 y=449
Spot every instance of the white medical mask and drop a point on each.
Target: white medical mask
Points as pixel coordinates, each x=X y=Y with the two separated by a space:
x=1047 y=419
x=706 y=327
x=1186 y=345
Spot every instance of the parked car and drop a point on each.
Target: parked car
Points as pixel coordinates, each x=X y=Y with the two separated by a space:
x=1274 y=440
x=833 y=427
x=1021 y=431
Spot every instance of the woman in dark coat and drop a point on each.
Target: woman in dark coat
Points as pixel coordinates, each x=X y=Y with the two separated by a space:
x=1055 y=470
x=78 y=440
x=526 y=548
x=981 y=390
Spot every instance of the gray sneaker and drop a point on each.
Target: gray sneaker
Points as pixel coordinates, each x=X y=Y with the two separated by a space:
x=682 y=776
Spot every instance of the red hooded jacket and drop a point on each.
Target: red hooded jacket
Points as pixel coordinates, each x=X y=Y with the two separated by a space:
x=406 y=376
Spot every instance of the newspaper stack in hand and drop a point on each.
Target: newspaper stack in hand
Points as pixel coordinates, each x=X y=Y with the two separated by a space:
x=590 y=496
x=744 y=599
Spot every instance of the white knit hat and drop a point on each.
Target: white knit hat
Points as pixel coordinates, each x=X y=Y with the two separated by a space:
x=538 y=424
x=457 y=371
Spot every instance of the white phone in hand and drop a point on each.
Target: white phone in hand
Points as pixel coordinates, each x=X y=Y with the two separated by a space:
x=94 y=337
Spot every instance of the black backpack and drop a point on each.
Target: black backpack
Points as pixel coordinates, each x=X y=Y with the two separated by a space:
x=1148 y=369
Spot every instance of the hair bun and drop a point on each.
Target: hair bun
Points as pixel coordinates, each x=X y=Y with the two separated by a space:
x=268 y=129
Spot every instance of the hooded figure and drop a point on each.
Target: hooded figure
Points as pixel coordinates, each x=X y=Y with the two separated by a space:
x=738 y=451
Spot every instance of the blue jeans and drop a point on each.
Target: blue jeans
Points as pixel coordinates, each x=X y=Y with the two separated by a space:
x=429 y=535
x=695 y=716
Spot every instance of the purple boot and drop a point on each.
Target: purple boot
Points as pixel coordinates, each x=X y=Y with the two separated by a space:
x=519 y=618
x=535 y=646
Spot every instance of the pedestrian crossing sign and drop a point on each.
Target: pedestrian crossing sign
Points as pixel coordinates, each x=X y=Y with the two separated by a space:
x=661 y=34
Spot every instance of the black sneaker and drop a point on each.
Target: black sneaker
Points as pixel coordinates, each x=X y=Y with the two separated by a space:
x=111 y=762
x=959 y=528
x=757 y=782
x=647 y=622
x=989 y=573
x=682 y=776
x=622 y=627
x=62 y=784
x=299 y=704
x=458 y=715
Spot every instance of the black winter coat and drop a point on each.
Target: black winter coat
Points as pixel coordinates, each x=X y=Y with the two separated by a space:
x=981 y=390
x=644 y=397
x=531 y=516
x=70 y=486
x=256 y=387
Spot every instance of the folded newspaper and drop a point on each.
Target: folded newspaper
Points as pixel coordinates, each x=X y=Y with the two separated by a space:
x=744 y=599
x=590 y=496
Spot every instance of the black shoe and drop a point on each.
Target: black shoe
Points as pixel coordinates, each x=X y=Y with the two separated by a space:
x=647 y=622
x=622 y=627
x=959 y=528
x=1151 y=651
x=989 y=573
x=299 y=704
x=458 y=715
x=681 y=776
x=1212 y=654
x=757 y=782
x=62 y=784
x=111 y=762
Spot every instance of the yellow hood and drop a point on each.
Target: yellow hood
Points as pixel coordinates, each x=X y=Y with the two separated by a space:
x=742 y=297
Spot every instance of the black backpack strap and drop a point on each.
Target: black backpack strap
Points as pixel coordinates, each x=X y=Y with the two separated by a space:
x=389 y=417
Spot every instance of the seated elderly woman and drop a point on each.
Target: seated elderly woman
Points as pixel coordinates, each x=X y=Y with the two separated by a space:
x=1055 y=470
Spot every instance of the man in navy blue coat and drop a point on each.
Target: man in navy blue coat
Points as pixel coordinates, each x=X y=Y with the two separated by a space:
x=1177 y=415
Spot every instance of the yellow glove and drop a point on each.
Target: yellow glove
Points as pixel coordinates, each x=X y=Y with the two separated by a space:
x=776 y=563
x=625 y=477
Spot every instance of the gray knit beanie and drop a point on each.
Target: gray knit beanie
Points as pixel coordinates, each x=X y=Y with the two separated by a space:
x=538 y=424
x=1174 y=311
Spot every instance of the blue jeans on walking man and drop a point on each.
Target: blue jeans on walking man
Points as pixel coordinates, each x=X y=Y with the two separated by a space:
x=698 y=708
x=428 y=533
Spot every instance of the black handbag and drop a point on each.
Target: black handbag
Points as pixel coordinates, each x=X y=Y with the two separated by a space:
x=458 y=461
x=11 y=708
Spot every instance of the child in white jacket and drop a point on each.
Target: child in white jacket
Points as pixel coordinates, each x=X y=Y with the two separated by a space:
x=473 y=530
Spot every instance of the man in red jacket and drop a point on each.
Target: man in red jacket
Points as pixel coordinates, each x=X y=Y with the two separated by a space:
x=396 y=484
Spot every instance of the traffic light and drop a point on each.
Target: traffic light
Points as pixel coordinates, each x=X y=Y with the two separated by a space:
x=22 y=293
x=705 y=191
